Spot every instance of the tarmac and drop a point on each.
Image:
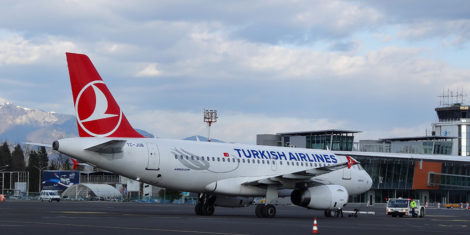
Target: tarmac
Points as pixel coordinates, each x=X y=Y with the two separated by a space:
x=79 y=217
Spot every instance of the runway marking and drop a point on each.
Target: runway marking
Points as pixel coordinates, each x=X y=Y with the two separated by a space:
x=441 y=216
x=452 y=220
x=83 y=212
x=107 y=213
x=128 y=228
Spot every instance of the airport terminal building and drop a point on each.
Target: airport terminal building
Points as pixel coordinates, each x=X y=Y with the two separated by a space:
x=434 y=169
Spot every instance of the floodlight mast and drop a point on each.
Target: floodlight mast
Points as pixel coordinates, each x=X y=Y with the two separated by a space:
x=210 y=116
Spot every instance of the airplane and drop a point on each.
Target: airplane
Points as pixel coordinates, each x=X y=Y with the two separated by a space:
x=226 y=175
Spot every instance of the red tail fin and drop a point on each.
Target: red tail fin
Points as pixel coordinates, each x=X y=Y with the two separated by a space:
x=98 y=114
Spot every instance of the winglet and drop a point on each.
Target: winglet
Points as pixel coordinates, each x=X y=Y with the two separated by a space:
x=351 y=161
x=75 y=163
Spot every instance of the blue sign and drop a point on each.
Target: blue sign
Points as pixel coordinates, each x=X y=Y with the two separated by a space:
x=59 y=180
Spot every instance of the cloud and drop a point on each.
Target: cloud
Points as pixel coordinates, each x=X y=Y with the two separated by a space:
x=230 y=127
x=454 y=32
x=15 y=49
x=149 y=71
x=368 y=62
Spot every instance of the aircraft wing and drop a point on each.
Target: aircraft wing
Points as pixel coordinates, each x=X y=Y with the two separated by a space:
x=289 y=180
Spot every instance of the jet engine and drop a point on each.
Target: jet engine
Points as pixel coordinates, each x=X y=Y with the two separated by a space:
x=227 y=201
x=322 y=197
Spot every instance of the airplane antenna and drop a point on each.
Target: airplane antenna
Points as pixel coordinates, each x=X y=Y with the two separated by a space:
x=210 y=116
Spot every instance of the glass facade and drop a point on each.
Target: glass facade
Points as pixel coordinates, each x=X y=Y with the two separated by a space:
x=338 y=142
x=394 y=178
x=444 y=148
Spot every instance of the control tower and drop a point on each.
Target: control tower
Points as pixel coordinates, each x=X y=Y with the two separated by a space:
x=454 y=121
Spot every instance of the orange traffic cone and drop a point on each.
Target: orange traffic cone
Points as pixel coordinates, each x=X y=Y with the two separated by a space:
x=315 y=226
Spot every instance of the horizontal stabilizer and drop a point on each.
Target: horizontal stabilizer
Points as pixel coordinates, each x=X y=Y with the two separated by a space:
x=112 y=146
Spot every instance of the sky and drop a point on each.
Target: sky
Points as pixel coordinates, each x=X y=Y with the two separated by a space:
x=375 y=66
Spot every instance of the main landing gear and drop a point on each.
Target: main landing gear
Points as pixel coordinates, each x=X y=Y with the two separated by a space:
x=205 y=205
x=268 y=210
x=265 y=211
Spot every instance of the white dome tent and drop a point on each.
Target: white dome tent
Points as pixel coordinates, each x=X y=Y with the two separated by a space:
x=92 y=192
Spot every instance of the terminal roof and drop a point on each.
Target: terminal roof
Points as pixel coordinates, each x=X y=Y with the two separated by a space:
x=321 y=132
x=424 y=157
x=417 y=138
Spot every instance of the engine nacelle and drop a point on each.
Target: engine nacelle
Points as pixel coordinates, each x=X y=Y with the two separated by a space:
x=227 y=201
x=320 y=197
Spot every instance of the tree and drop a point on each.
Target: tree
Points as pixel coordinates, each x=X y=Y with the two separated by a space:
x=34 y=171
x=17 y=159
x=54 y=165
x=43 y=158
x=61 y=163
x=5 y=156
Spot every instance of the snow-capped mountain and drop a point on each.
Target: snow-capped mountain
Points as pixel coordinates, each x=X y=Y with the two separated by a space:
x=20 y=124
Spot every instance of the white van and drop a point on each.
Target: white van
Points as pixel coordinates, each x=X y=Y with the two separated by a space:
x=49 y=195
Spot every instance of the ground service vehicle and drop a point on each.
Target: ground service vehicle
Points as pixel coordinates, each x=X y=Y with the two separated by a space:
x=402 y=207
x=49 y=195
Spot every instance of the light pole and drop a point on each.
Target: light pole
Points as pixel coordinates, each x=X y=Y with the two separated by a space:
x=39 y=179
x=210 y=116
x=2 y=168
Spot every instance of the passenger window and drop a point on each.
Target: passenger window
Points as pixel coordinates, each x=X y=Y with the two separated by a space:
x=262 y=161
x=176 y=156
x=288 y=164
x=297 y=163
x=218 y=159
x=187 y=158
x=238 y=160
x=223 y=159
x=258 y=161
x=197 y=158
x=243 y=160
x=280 y=163
x=192 y=157
x=213 y=159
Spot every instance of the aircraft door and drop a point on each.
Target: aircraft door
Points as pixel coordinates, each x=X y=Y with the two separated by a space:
x=273 y=164
x=153 y=161
x=347 y=173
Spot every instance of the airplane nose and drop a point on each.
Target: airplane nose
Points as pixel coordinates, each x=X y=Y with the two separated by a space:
x=369 y=182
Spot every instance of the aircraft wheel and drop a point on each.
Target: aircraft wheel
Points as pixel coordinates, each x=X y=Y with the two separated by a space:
x=259 y=210
x=208 y=210
x=198 y=209
x=329 y=213
x=269 y=211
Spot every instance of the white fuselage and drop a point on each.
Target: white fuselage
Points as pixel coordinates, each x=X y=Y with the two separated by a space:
x=196 y=166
